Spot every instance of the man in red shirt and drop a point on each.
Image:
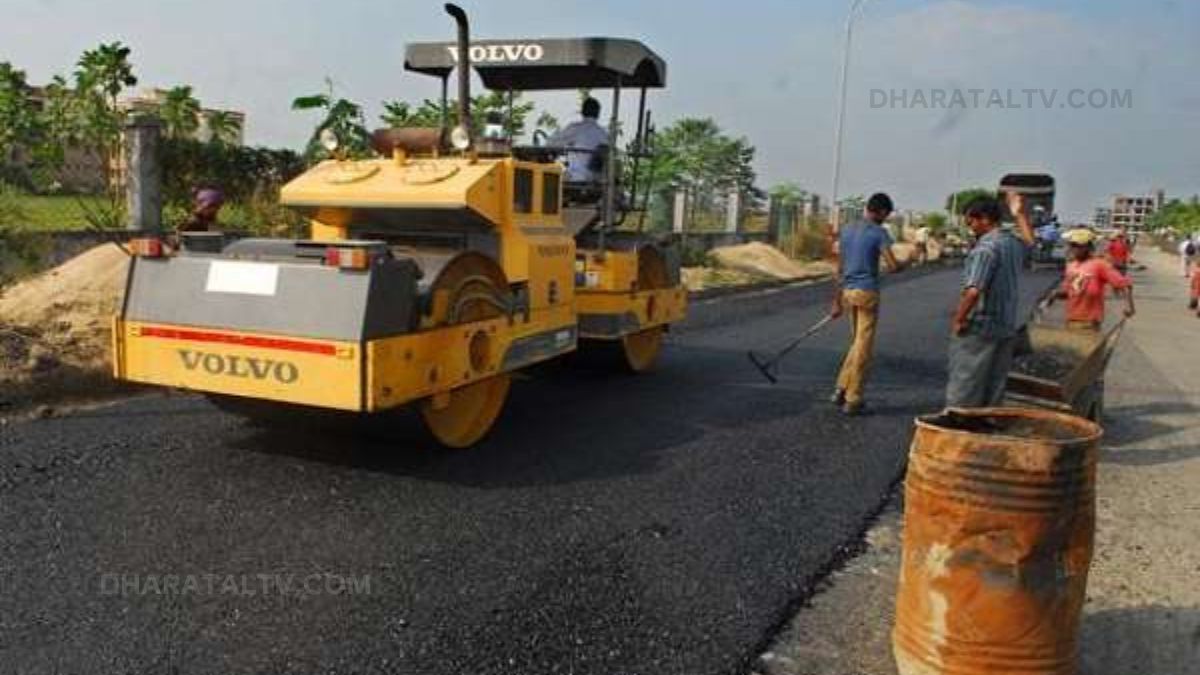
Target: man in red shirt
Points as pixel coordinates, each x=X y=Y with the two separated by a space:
x=1119 y=251
x=1085 y=281
x=1195 y=301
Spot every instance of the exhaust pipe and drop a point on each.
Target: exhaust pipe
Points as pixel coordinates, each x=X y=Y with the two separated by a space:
x=464 y=67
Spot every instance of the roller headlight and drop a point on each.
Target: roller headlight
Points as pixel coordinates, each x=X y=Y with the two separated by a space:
x=460 y=138
x=329 y=140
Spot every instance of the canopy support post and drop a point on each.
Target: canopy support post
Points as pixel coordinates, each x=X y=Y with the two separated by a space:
x=610 y=165
x=638 y=149
x=511 y=125
x=445 y=105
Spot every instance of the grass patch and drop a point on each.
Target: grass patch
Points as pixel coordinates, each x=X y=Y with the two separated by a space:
x=58 y=212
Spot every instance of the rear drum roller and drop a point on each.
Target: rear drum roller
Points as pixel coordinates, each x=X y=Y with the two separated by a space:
x=475 y=290
x=641 y=349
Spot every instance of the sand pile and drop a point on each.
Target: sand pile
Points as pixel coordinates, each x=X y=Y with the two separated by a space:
x=704 y=278
x=753 y=263
x=905 y=253
x=55 y=327
x=765 y=262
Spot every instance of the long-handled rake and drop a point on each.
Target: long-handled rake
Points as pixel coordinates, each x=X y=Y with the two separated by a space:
x=768 y=366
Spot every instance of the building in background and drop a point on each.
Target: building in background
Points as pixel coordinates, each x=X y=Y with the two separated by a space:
x=1133 y=211
x=83 y=169
x=150 y=100
x=1102 y=218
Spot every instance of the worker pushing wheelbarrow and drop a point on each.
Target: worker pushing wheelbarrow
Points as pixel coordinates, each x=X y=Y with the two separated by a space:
x=1065 y=366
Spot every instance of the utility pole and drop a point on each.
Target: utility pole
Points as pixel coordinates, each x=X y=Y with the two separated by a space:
x=835 y=211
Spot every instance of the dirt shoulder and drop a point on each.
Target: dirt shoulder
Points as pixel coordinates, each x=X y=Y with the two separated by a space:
x=55 y=331
x=1143 y=605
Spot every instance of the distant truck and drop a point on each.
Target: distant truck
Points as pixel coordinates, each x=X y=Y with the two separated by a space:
x=1038 y=189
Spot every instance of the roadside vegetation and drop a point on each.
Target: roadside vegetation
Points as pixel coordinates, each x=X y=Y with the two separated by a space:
x=1178 y=217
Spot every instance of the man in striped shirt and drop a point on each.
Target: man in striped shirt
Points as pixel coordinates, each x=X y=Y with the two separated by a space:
x=985 y=323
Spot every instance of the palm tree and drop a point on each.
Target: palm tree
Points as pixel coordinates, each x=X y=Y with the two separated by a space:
x=223 y=127
x=106 y=71
x=180 y=112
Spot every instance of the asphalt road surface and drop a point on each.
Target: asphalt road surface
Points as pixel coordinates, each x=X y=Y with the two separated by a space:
x=666 y=523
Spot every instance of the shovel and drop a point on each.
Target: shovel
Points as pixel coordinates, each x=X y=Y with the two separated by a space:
x=768 y=366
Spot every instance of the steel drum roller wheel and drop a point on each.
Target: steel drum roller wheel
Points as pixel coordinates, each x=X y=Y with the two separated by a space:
x=475 y=290
x=641 y=349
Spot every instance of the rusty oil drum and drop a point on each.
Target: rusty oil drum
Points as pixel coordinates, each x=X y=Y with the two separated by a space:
x=999 y=521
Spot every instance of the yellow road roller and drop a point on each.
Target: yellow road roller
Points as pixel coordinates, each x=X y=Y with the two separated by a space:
x=431 y=273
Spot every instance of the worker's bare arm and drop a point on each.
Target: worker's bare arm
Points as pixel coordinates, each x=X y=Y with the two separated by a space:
x=966 y=303
x=1016 y=206
x=889 y=259
x=835 y=307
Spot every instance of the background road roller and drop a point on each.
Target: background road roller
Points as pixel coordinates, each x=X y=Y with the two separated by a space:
x=431 y=273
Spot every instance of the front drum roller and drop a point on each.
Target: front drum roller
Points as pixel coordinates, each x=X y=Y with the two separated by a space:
x=641 y=349
x=470 y=288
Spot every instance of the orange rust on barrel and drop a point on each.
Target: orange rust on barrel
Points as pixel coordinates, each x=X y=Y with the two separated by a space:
x=998 y=535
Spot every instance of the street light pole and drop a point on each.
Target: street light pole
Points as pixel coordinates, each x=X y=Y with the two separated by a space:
x=835 y=211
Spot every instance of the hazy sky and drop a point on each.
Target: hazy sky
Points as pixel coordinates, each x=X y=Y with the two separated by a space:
x=765 y=69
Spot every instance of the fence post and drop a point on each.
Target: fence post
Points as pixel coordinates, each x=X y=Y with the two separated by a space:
x=733 y=212
x=143 y=174
x=679 y=212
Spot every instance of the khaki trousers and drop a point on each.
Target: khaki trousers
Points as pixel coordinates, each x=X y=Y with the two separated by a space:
x=863 y=309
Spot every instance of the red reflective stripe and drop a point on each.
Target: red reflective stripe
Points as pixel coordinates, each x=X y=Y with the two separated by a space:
x=241 y=340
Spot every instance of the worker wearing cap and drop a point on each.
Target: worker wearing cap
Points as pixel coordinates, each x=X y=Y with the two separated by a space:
x=1086 y=278
x=1194 y=302
x=206 y=205
x=1119 y=251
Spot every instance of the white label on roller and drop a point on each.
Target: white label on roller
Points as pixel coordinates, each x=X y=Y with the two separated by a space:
x=246 y=278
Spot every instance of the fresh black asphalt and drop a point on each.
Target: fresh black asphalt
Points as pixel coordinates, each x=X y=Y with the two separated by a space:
x=611 y=524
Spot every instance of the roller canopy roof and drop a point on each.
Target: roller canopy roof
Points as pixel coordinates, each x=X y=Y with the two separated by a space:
x=577 y=63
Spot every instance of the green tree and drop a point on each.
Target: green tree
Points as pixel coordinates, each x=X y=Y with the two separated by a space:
x=95 y=118
x=788 y=193
x=180 y=112
x=547 y=123
x=428 y=113
x=223 y=127
x=105 y=71
x=101 y=74
x=956 y=206
x=95 y=121
x=401 y=114
x=20 y=125
x=694 y=155
x=936 y=221
x=341 y=116
x=1180 y=217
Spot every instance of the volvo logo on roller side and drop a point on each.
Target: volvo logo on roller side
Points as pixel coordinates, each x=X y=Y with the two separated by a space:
x=246 y=367
x=502 y=53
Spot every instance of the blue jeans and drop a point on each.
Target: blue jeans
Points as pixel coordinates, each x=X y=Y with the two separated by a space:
x=978 y=370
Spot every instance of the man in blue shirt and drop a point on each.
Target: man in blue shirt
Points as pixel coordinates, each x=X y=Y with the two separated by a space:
x=856 y=292
x=985 y=325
